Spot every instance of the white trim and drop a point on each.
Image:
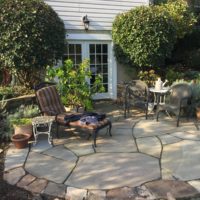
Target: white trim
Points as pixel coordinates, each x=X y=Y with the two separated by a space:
x=89 y=36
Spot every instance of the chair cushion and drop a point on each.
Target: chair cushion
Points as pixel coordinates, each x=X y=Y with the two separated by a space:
x=49 y=100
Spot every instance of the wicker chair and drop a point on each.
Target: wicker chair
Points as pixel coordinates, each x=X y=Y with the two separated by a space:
x=136 y=95
x=177 y=99
x=50 y=104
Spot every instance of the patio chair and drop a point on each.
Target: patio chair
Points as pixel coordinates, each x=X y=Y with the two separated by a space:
x=177 y=99
x=136 y=95
x=50 y=104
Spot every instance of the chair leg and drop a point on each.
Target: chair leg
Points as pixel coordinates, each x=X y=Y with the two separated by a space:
x=157 y=115
x=178 y=119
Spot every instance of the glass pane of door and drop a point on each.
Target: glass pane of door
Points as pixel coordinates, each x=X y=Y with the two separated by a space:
x=98 y=54
x=73 y=52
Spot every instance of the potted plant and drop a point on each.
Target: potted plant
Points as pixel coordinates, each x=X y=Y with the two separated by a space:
x=22 y=132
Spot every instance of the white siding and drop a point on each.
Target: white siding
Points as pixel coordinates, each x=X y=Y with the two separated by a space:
x=101 y=13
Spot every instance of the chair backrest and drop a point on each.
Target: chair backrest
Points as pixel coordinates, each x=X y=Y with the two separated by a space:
x=137 y=91
x=178 y=92
x=49 y=100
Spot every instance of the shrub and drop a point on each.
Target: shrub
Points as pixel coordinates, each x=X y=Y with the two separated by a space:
x=182 y=16
x=31 y=37
x=73 y=83
x=145 y=34
x=173 y=75
x=149 y=77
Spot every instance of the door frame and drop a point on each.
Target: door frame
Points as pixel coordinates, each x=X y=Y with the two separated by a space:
x=85 y=40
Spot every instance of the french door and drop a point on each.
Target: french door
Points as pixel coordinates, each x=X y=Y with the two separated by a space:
x=99 y=55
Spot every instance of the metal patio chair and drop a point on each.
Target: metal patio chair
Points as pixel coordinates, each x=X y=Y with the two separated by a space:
x=177 y=99
x=136 y=95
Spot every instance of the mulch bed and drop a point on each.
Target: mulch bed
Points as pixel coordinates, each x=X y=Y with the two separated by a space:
x=7 y=191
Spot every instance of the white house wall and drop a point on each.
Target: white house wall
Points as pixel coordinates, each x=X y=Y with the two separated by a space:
x=101 y=13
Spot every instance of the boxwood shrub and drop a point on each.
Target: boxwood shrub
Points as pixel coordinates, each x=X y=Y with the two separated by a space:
x=145 y=34
x=32 y=36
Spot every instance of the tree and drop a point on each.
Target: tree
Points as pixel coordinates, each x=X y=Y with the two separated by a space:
x=32 y=36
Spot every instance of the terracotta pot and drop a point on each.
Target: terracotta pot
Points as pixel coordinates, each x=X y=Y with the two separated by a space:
x=23 y=129
x=20 y=140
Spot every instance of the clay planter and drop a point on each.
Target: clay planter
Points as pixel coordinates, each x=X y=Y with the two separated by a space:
x=23 y=129
x=20 y=140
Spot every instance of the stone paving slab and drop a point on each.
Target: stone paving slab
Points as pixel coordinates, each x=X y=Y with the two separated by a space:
x=176 y=189
x=48 y=167
x=146 y=128
x=26 y=180
x=122 y=131
x=111 y=170
x=37 y=186
x=195 y=184
x=81 y=147
x=55 y=190
x=13 y=176
x=62 y=153
x=41 y=145
x=116 y=143
x=150 y=146
x=75 y=193
x=15 y=158
x=125 y=123
x=192 y=135
x=169 y=139
x=96 y=195
x=182 y=159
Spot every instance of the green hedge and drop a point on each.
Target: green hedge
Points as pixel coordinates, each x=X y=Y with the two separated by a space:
x=145 y=34
x=32 y=36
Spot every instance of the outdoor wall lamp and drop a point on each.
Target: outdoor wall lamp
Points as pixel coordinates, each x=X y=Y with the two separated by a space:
x=86 y=22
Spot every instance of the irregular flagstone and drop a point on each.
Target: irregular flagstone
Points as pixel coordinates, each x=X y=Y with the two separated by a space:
x=48 y=167
x=62 y=153
x=96 y=195
x=176 y=189
x=122 y=131
x=55 y=190
x=116 y=143
x=37 y=186
x=195 y=184
x=75 y=193
x=41 y=145
x=187 y=135
x=13 y=176
x=26 y=180
x=169 y=139
x=152 y=128
x=182 y=159
x=188 y=126
x=150 y=146
x=15 y=158
x=111 y=170
x=121 y=194
x=126 y=123
x=81 y=147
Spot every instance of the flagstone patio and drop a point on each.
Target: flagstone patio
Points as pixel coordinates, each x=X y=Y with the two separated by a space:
x=144 y=159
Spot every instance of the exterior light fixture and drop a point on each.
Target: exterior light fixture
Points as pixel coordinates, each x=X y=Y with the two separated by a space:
x=86 y=22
